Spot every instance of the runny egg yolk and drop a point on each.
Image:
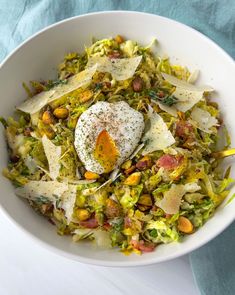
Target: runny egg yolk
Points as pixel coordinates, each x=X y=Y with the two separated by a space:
x=106 y=152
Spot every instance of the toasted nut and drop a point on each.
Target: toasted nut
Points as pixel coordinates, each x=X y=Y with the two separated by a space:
x=82 y=214
x=126 y=165
x=130 y=170
x=133 y=179
x=91 y=175
x=61 y=113
x=185 y=225
x=86 y=95
x=145 y=200
x=137 y=84
x=112 y=209
x=119 y=39
x=144 y=163
x=48 y=118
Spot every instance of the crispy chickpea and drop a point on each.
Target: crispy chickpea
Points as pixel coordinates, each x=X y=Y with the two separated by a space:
x=145 y=200
x=133 y=179
x=91 y=175
x=82 y=214
x=126 y=165
x=61 y=113
x=48 y=118
x=185 y=225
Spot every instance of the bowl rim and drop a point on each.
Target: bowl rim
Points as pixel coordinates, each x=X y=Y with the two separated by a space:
x=93 y=261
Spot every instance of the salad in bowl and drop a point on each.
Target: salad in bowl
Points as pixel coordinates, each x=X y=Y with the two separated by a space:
x=119 y=149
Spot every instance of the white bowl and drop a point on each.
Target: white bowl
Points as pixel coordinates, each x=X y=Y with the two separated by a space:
x=38 y=57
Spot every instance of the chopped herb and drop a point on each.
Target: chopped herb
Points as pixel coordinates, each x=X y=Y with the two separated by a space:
x=52 y=84
x=153 y=233
x=153 y=94
x=42 y=200
x=168 y=100
x=98 y=86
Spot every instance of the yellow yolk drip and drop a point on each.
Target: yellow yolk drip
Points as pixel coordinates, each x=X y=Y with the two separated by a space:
x=106 y=152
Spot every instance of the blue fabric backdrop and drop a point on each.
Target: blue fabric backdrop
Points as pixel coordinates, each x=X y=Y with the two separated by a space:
x=214 y=264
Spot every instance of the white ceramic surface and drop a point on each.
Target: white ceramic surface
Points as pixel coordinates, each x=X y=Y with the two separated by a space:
x=26 y=268
x=37 y=58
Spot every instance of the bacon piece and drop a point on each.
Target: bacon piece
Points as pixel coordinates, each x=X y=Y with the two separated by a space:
x=90 y=223
x=183 y=129
x=127 y=222
x=107 y=226
x=115 y=54
x=112 y=209
x=169 y=162
x=143 y=246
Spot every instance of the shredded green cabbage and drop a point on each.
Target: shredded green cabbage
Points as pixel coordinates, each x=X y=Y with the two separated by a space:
x=107 y=208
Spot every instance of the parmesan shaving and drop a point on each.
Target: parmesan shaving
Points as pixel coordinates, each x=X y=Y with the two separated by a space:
x=203 y=119
x=193 y=77
x=114 y=174
x=34 y=104
x=139 y=147
x=35 y=190
x=193 y=98
x=81 y=181
x=120 y=69
x=172 y=198
x=53 y=154
x=158 y=137
x=170 y=110
x=102 y=238
x=68 y=200
x=185 y=85
x=52 y=191
x=102 y=185
x=184 y=95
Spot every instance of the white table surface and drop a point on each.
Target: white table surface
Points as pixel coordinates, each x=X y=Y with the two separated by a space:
x=29 y=269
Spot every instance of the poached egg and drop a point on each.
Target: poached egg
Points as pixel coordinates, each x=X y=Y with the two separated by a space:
x=107 y=134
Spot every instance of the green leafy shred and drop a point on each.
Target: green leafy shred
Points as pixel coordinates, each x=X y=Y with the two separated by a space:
x=128 y=216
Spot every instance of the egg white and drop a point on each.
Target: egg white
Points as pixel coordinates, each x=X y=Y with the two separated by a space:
x=124 y=124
